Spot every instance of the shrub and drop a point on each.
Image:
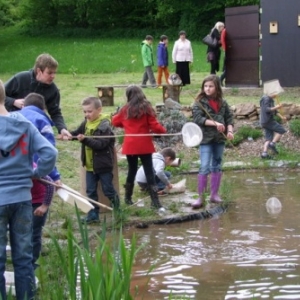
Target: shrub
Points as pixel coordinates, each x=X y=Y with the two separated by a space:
x=295 y=127
x=247 y=131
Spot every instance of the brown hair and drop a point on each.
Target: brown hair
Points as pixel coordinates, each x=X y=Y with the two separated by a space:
x=44 y=61
x=219 y=93
x=36 y=100
x=149 y=38
x=137 y=104
x=163 y=38
x=92 y=100
x=168 y=152
x=2 y=93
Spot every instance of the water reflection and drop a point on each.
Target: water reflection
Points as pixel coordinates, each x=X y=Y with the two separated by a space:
x=245 y=253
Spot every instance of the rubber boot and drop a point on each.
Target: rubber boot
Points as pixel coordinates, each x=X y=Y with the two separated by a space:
x=155 y=203
x=128 y=193
x=202 y=183
x=215 y=181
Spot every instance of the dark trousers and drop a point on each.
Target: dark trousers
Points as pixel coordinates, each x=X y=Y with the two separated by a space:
x=146 y=160
x=183 y=70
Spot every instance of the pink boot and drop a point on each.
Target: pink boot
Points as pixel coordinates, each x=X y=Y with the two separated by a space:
x=215 y=180
x=202 y=183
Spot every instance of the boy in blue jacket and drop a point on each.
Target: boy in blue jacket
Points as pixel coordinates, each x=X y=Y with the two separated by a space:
x=162 y=59
x=34 y=111
x=19 y=141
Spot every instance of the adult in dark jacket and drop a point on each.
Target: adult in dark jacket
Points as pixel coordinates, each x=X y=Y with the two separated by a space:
x=38 y=80
x=216 y=51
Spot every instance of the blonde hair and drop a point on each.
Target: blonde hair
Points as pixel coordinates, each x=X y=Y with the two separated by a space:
x=219 y=25
x=2 y=93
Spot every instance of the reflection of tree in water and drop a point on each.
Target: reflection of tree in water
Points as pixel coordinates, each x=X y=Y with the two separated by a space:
x=173 y=120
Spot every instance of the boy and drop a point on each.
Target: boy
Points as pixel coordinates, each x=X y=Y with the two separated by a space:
x=19 y=141
x=39 y=80
x=147 y=57
x=273 y=130
x=162 y=59
x=97 y=155
x=34 y=111
x=42 y=194
x=160 y=160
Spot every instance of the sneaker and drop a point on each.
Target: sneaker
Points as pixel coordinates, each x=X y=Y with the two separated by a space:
x=159 y=87
x=273 y=148
x=266 y=156
x=91 y=217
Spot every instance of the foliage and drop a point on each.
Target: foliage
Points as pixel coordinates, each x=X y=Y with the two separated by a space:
x=295 y=126
x=8 y=14
x=243 y=133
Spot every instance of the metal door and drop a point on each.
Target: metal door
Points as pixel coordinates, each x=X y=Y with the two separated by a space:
x=242 y=46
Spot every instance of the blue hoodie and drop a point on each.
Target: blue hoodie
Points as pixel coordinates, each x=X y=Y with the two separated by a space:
x=44 y=125
x=19 y=140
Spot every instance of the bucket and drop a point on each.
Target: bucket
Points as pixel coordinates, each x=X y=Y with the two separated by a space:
x=272 y=88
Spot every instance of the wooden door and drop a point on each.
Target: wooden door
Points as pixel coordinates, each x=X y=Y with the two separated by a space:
x=242 y=43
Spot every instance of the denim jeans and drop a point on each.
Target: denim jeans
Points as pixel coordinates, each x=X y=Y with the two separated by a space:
x=19 y=218
x=211 y=158
x=106 y=180
x=38 y=223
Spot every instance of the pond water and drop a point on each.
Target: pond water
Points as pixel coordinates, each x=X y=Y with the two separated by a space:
x=245 y=253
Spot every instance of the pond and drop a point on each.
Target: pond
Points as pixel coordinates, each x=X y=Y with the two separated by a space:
x=245 y=253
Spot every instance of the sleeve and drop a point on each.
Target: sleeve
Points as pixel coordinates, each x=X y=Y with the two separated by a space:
x=10 y=87
x=160 y=172
x=159 y=56
x=155 y=126
x=199 y=116
x=117 y=120
x=174 y=52
x=49 y=191
x=78 y=130
x=191 y=52
x=228 y=115
x=99 y=143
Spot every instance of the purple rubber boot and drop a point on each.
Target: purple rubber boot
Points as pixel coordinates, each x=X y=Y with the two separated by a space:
x=202 y=183
x=215 y=180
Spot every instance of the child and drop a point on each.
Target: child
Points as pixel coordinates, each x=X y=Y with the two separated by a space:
x=19 y=141
x=162 y=59
x=212 y=113
x=42 y=194
x=138 y=117
x=148 y=62
x=273 y=130
x=34 y=111
x=159 y=160
x=97 y=155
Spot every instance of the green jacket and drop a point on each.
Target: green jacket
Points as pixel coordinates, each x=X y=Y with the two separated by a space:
x=210 y=133
x=147 y=54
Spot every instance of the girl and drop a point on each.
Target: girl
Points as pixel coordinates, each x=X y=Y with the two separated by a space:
x=138 y=117
x=212 y=113
x=215 y=59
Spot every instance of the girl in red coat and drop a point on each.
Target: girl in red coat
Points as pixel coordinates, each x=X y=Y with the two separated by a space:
x=138 y=117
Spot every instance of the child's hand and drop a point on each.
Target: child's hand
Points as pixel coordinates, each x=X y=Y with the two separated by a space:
x=230 y=135
x=220 y=127
x=41 y=210
x=80 y=137
x=169 y=186
x=278 y=106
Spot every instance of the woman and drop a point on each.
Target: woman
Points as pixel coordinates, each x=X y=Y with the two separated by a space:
x=182 y=55
x=214 y=59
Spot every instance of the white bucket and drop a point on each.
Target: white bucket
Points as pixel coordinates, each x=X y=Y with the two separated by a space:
x=191 y=134
x=272 y=88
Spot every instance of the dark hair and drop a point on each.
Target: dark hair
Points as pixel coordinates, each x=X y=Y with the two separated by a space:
x=163 y=38
x=168 y=152
x=137 y=104
x=219 y=93
x=35 y=100
x=181 y=32
x=92 y=100
x=44 y=61
x=149 y=37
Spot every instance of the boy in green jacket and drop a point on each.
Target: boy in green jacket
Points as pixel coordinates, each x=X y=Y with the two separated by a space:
x=148 y=62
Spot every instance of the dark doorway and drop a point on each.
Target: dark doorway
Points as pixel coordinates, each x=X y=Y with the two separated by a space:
x=242 y=53
x=280 y=44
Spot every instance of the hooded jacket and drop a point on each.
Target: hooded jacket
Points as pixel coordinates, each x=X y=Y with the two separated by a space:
x=147 y=54
x=162 y=55
x=44 y=125
x=19 y=141
x=266 y=113
x=224 y=116
x=159 y=165
x=24 y=83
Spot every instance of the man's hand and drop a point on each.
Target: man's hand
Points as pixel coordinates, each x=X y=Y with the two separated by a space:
x=65 y=134
x=19 y=103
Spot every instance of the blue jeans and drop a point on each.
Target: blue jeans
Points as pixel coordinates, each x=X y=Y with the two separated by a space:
x=38 y=223
x=106 y=180
x=211 y=158
x=19 y=218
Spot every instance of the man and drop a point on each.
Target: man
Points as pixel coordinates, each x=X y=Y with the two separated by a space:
x=20 y=140
x=147 y=56
x=38 y=80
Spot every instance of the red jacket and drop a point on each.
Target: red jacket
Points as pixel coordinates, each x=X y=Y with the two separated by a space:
x=146 y=124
